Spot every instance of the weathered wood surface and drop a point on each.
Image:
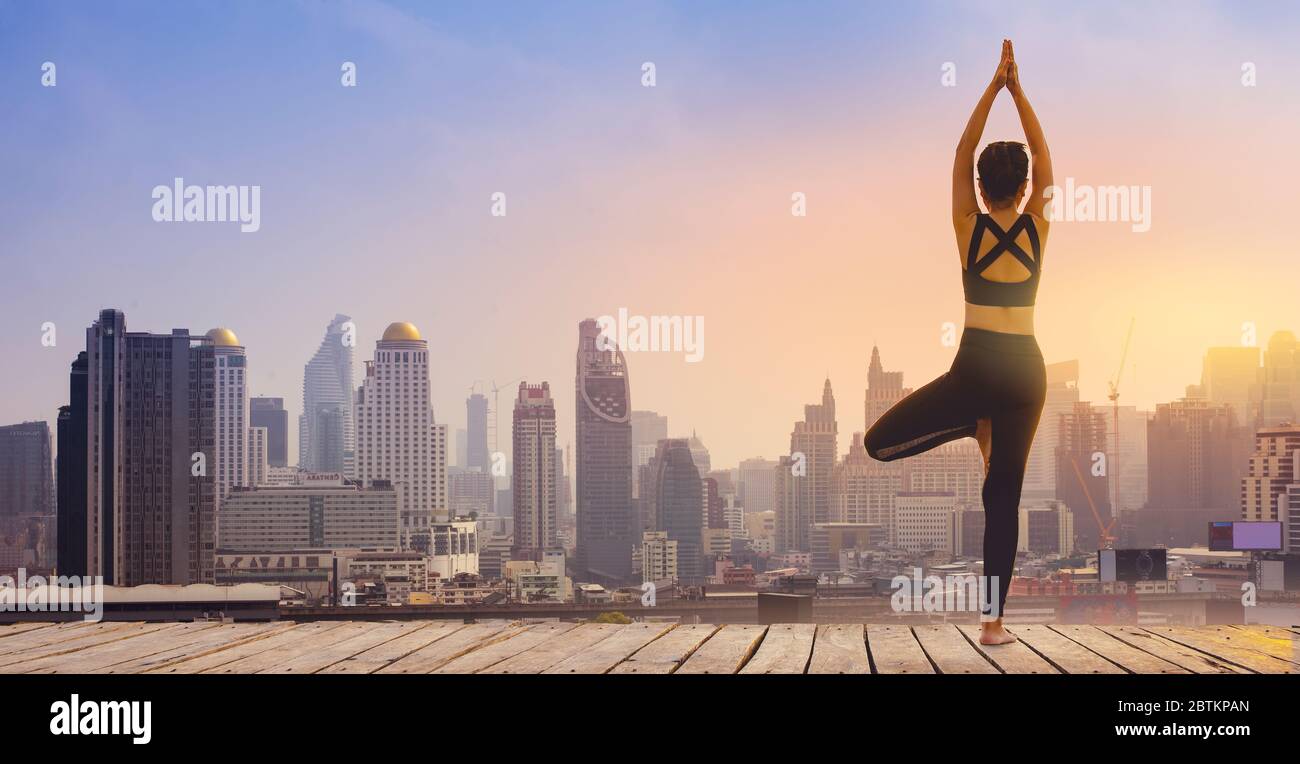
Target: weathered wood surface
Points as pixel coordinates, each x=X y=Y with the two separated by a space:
x=506 y=647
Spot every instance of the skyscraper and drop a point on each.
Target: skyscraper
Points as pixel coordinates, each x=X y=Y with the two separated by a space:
x=606 y=517
x=679 y=499
x=1274 y=466
x=270 y=413
x=884 y=389
x=814 y=442
x=26 y=476
x=476 y=433
x=648 y=428
x=755 y=489
x=72 y=471
x=151 y=434
x=1279 y=392
x=1082 y=481
x=533 y=486
x=1229 y=375
x=397 y=439
x=326 y=428
x=257 y=462
x=1196 y=456
x=231 y=463
x=1062 y=394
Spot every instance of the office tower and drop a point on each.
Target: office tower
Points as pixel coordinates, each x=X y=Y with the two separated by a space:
x=326 y=428
x=1279 y=391
x=563 y=492
x=324 y=513
x=1273 y=466
x=606 y=521
x=790 y=513
x=755 y=488
x=1047 y=528
x=533 y=486
x=658 y=557
x=968 y=532
x=700 y=454
x=231 y=449
x=864 y=489
x=956 y=467
x=462 y=447
x=679 y=499
x=476 y=433
x=270 y=413
x=1082 y=474
x=257 y=456
x=72 y=472
x=1062 y=394
x=1196 y=456
x=1129 y=483
x=1229 y=375
x=923 y=520
x=151 y=434
x=648 y=428
x=397 y=440
x=26 y=470
x=714 y=516
x=813 y=444
x=884 y=389
x=470 y=493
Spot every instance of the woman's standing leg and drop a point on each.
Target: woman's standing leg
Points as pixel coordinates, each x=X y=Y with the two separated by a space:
x=1011 y=437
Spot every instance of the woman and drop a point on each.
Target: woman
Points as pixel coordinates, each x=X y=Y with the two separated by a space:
x=994 y=390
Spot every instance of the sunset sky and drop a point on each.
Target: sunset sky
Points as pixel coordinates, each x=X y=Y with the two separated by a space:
x=665 y=200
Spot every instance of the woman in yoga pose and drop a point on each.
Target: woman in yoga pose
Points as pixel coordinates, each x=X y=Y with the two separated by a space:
x=994 y=390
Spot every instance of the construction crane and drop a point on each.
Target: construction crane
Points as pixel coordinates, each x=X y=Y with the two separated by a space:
x=494 y=423
x=1114 y=402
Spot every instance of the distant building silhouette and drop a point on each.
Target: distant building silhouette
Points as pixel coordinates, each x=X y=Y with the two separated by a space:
x=270 y=413
x=679 y=498
x=476 y=433
x=326 y=428
x=533 y=486
x=73 y=473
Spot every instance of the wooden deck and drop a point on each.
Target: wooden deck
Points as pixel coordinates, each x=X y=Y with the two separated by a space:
x=441 y=647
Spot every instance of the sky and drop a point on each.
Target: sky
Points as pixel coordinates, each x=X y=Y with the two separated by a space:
x=671 y=200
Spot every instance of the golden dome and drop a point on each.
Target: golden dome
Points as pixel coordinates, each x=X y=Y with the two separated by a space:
x=401 y=330
x=223 y=338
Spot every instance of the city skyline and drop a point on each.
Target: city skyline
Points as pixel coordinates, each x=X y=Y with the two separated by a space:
x=377 y=199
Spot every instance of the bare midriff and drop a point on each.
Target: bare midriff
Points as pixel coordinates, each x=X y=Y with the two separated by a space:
x=995 y=318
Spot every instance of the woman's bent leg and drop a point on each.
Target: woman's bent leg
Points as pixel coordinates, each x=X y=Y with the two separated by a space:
x=933 y=415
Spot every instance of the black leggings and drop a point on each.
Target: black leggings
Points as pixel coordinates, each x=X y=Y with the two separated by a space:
x=995 y=376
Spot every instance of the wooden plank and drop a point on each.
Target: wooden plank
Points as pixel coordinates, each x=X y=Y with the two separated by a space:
x=492 y=653
x=101 y=656
x=1064 y=653
x=785 y=649
x=950 y=651
x=1128 y=657
x=62 y=632
x=12 y=629
x=666 y=653
x=288 y=651
x=1013 y=658
x=449 y=648
x=1241 y=653
x=212 y=642
x=558 y=648
x=1179 y=655
x=1281 y=632
x=327 y=655
x=1270 y=640
x=609 y=652
x=894 y=650
x=380 y=656
x=725 y=652
x=840 y=648
x=13 y=662
x=211 y=660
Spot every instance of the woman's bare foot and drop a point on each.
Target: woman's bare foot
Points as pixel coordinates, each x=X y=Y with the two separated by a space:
x=992 y=633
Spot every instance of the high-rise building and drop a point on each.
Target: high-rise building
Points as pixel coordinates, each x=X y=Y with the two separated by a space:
x=923 y=521
x=476 y=433
x=813 y=448
x=790 y=515
x=606 y=516
x=397 y=439
x=1082 y=474
x=1062 y=394
x=231 y=463
x=679 y=500
x=323 y=513
x=1196 y=456
x=270 y=413
x=756 y=487
x=1129 y=486
x=26 y=470
x=956 y=467
x=470 y=492
x=864 y=489
x=1046 y=528
x=533 y=486
x=327 y=438
x=658 y=557
x=257 y=456
x=1229 y=376
x=884 y=389
x=1279 y=390
x=1274 y=466
x=700 y=454
x=151 y=435
x=73 y=471
x=648 y=428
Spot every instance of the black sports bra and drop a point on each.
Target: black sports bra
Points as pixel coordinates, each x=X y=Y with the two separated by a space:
x=981 y=291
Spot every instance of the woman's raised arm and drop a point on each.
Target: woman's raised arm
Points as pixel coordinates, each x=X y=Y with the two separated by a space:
x=1040 y=157
x=964 y=202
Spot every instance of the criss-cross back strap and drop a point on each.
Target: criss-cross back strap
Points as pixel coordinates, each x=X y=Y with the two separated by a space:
x=1006 y=243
